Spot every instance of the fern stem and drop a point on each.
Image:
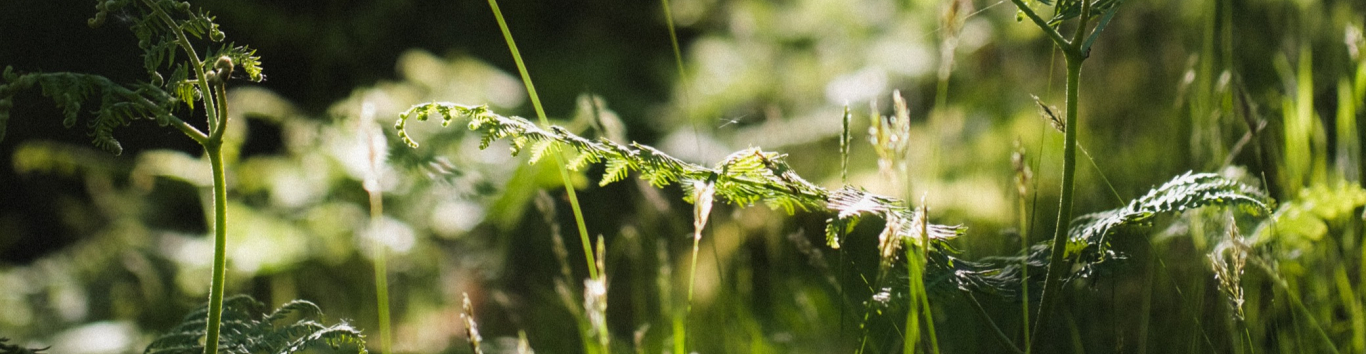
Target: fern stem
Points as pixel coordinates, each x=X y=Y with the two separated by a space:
x=189 y=130
x=221 y=95
x=214 y=149
x=559 y=156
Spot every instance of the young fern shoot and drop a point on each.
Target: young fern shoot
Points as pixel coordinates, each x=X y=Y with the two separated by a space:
x=163 y=29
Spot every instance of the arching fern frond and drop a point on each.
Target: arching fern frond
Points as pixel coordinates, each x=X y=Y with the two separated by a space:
x=746 y=177
x=245 y=332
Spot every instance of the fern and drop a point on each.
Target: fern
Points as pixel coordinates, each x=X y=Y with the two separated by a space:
x=6 y=348
x=752 y=176
x=157 y=99
x=244 y=332
x=163 y=28
x=746 y=177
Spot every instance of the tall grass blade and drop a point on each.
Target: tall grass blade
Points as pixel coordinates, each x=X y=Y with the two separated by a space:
x=559 y=157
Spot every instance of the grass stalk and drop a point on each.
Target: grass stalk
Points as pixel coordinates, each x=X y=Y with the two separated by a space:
x=376 y=195
x=1280 y=282
x=559 y=156
x=912 y=315
x=920 y=280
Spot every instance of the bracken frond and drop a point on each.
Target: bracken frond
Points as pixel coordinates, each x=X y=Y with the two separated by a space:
x=746 y=177
x=245 y=331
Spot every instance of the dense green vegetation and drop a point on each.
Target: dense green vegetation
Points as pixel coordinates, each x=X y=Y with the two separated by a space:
x=742 y=176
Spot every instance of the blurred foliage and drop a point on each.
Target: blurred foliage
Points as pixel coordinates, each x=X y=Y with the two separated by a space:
x=1265 y=92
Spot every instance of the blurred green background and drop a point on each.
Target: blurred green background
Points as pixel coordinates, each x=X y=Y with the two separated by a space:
x=98 y=253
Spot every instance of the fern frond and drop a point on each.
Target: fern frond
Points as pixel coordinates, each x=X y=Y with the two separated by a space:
x=243 y=58
x=118 y=105
x=305 y=309
x=746 y=177
x=243 y=331
x=6 y=348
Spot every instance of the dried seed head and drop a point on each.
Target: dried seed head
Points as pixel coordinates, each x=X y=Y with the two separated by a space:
x=1229 y=259
x=471 y=328
x=1022 y=172
x=1049 y=114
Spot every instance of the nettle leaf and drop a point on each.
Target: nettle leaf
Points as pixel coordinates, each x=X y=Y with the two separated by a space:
x=1088 y=238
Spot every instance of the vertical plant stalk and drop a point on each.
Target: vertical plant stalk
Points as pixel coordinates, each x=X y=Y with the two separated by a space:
x=1058 y=262
x=1023 y=175
x=920 y=278
x=374 y=143
x=217 y=117
x=214 y=148
x=1280 y=282
x=1075 y=52
x=381 y=274
x=680 y=327
x=559 y=156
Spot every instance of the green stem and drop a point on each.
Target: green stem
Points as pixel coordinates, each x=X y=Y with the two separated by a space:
x=982 y=313
x=1024 y=270
x=1058 y=262
x=1052 y=33
x=912 y=316
x=559 y=156
x=214 y=149
x=221 y=95
x=381 y=271
x=920 y=280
